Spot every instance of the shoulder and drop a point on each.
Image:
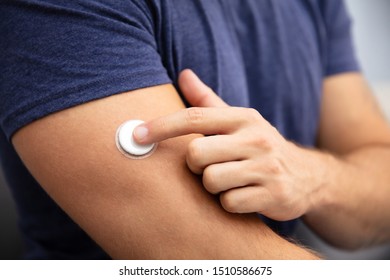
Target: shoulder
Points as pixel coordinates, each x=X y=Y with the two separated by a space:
x=57 y=55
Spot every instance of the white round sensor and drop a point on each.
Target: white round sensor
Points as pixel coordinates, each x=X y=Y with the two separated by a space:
x=126 y=143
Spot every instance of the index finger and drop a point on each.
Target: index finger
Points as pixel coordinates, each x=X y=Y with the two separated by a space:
x=202 y=120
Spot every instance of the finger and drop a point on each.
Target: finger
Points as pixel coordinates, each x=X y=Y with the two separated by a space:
x=247 y=200
x=215 y=149
x=208 y=121
x=196 y=92
x=228 y=175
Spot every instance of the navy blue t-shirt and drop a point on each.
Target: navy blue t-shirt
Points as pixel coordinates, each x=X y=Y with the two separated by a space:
x=55 y=54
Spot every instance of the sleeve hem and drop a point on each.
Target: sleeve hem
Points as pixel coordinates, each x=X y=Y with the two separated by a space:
x=100 y=89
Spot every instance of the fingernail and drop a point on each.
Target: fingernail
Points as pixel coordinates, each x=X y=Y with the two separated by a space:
x=140 y=132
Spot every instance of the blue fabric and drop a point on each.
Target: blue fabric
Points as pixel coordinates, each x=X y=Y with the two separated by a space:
x=265 y=54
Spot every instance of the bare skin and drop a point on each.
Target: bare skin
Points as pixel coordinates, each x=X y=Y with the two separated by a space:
x=254 y=169
x=153 y=208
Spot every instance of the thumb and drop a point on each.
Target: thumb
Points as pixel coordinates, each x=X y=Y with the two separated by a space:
x=196 y=92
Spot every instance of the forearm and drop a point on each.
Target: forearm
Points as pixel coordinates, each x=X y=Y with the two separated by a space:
x=351 y=209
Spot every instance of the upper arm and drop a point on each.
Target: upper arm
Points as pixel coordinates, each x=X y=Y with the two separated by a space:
x=116 y=200
x=350 y=117
x=149 y=208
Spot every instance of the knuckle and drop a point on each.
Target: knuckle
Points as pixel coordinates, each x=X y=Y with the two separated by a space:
x=252 y=114
x=194 y=168
x=229 y=202
x=210 y=181
x=261 y=142
x=274 y=167
x=194 y=115
x=194 y=152
x=281 y=194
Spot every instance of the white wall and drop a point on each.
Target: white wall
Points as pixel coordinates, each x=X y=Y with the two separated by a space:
x=372 y=37
x=372 y=40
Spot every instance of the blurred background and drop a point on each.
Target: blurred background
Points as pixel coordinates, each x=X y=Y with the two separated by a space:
x=371 y=30
x=372 y=39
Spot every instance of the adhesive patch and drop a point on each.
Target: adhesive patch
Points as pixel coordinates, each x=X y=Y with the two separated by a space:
x=126 y=143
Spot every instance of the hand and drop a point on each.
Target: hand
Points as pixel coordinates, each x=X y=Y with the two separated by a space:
x=245 y=159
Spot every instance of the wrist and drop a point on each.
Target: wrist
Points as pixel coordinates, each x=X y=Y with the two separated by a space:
x=324 y=169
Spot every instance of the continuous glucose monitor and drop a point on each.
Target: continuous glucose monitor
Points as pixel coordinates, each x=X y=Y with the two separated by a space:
x=126 y=143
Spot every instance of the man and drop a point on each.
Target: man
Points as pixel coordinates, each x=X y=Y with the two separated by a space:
x=76 y=70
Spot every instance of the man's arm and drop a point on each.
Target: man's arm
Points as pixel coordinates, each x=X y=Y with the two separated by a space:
x=144 y=209
x=354 y=209
x=343 y=192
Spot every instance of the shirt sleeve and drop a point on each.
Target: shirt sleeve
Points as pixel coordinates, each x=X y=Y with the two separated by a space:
x=58 y=54
x=340 y=52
